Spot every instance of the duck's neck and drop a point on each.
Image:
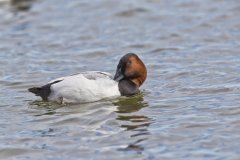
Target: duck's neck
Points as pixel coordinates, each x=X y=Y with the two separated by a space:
x=127 y=87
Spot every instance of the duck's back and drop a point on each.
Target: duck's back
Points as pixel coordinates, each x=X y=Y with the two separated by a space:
x=84 y=87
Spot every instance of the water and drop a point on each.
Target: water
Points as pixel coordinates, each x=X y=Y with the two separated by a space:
x=189 y=106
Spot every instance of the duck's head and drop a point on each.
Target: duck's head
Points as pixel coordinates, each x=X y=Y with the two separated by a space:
x=131 y=67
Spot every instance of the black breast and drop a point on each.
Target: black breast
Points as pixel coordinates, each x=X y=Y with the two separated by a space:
x=127 y=87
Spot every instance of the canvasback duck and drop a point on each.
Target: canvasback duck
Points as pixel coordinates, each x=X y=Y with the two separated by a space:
x=95 y=85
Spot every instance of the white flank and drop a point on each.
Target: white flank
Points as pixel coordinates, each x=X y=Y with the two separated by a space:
x=84 y=87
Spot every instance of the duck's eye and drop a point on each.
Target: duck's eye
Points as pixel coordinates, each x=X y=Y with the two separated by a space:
x=129 y=62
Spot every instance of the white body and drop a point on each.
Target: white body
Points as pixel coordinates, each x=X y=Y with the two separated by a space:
x=84 y=87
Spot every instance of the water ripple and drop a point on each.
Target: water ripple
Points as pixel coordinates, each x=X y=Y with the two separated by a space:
x=189 y=106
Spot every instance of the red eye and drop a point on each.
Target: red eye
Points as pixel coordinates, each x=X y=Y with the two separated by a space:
x=129 y=62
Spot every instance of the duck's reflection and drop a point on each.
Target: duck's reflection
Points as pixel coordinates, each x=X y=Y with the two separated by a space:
x=130 y=104
x=133 y=120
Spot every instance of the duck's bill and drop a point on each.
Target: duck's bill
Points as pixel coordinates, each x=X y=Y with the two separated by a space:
x=118 y=76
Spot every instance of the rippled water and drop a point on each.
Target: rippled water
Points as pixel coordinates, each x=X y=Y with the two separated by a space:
x=189 y=106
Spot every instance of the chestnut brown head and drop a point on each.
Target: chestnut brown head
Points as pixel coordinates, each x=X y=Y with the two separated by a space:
x=131 y=67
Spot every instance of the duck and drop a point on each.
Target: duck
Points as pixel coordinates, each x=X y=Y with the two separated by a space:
x=93 y=86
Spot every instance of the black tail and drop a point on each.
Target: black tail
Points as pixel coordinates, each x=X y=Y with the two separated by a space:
x=43 y=91
x=35 y=90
